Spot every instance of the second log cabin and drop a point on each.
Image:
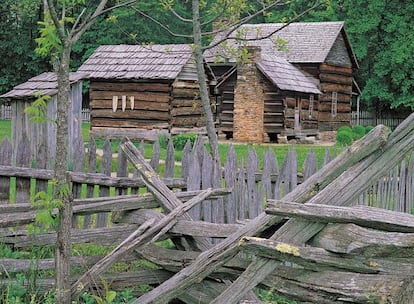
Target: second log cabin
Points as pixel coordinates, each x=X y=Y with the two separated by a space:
x=143 y=90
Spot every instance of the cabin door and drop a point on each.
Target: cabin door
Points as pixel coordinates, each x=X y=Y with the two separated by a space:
x=297 y=115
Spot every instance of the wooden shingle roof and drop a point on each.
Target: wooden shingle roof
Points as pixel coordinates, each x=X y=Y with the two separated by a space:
x=45 y=84
x=307 y=42
x=137 y=61
x=286 y=76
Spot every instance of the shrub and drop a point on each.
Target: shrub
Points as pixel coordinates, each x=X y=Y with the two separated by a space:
x=344 y=138
x=358 y=132
x=163 y=141
x=180 y=140
x=344 y=128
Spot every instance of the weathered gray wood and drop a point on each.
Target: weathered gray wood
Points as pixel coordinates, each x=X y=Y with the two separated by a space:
x=87 y=220
x=361 y=215
x=310 y=165
x=353 y=239
x=206 y=182
x=194 y=183
x=185 y=160
x=5 y=160
x=241 y=193
x=210 y=259
x=41 y=163
x=340 y=287
x=23 y=159
x=252 y=167
x=166 y=197
x=105 y=236
x=148 y=232
x=14 y=215
x=102 y=218
x=121 y=171
x=78 y=166
x=339 y=192
x=170 y=159
x=155 y=159
x=119 y=281
x=312 y=258
x=24 y=265
x=230 y=169
x=182 y=227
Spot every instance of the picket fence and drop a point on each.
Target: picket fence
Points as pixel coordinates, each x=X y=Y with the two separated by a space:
x=109 y=174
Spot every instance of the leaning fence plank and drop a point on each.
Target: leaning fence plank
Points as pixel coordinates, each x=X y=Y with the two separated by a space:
x=402 y=187
x=206 y=182
x=170 y=159
x=102 y=218
x=252 y=167
x=185 y=160
x=78 y=166
x=194 y=183
x=310 y=166
x=230 y=173
x=5 y=160
x=23 y=159
x=155 y=159
x=41 y=163
x=91 y=169
x=241 y=193
x=410 y=185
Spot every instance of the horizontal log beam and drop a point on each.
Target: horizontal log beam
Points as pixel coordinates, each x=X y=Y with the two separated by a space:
x=312 y=258
x=361 y=215
x=353 y=239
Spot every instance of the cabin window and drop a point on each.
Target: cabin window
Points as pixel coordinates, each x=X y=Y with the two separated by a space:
x=311 y=101
x=334 y=104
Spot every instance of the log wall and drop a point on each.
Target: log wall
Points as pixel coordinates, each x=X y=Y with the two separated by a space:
x=146 y=106
x=334 y=79
x=186 y=109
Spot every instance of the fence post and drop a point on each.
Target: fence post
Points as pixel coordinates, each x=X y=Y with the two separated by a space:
x=5 y=160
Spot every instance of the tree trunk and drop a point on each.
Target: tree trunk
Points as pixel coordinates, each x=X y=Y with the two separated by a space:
x=204 y=95
x=62 y=189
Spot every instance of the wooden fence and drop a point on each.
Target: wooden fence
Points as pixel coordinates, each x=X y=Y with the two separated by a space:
x=105 y=185
x=371 y=118
x=109 y=174
x=6 y=113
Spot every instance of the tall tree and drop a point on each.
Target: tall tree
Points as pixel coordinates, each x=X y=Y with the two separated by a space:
x=64 y=24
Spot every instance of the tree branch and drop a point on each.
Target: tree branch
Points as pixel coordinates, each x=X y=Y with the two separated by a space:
x=160 y=24
x=53 y=14
x=236 y=25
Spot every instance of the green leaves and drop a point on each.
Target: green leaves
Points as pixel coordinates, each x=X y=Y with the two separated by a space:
x=37 y=111
x=48 y=43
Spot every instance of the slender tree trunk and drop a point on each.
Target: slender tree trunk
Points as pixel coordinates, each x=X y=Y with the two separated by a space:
x=62 y=189
x=202 y=80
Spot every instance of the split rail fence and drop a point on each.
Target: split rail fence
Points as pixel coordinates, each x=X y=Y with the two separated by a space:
x=108 y=210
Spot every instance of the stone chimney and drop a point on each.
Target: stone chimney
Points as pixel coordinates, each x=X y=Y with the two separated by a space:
x=248 y=119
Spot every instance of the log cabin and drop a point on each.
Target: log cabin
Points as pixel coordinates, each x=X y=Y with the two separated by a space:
x=42 y=136
x=320 y=50
x=143 y=90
